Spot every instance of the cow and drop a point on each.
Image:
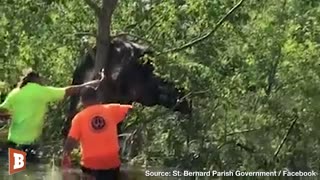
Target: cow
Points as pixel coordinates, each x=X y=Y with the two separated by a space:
x=128 y=80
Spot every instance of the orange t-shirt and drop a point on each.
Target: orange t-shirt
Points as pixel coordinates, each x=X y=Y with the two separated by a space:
x=96 y=129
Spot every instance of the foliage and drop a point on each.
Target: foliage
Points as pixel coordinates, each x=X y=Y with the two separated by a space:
x=249 y=82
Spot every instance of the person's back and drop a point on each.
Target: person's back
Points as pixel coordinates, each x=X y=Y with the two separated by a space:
x=95 y=128
x=98 y=136
x=28 y=106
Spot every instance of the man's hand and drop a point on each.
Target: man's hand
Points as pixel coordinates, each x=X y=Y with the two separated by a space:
x=75 y=89
x=102 y=75
x=66 y=162
x=66 y=167
x=98 y=82
x=69 y=145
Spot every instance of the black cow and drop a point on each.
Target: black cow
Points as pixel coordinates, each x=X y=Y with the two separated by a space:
x=129 y=80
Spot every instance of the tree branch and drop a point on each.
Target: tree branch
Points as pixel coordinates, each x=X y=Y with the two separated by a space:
x=94 y=6
x=250 y=130
x=198 y=40
x=225 y=143
x=85 y=34
x=243 y=131
x=285 y=138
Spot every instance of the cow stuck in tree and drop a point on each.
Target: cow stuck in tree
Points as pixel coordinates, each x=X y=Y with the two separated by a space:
x=128 y=80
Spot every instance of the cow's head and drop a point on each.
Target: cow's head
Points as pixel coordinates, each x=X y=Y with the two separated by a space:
x=130 y=80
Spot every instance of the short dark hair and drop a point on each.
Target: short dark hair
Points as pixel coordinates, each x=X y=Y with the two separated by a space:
x=89 y=93
x=29 y=76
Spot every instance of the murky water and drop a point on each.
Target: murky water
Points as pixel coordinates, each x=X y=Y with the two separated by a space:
x=48 y=172
x=51 y=171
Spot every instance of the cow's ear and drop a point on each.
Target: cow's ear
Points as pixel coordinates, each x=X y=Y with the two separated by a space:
x=141 y=50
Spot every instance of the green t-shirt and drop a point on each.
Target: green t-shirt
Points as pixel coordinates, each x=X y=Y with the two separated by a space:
x=28 y=106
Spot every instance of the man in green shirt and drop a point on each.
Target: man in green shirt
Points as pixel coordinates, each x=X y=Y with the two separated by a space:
x=27 y=106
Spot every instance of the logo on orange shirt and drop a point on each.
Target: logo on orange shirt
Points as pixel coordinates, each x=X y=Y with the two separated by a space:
x=98 y=123
x=17 y=161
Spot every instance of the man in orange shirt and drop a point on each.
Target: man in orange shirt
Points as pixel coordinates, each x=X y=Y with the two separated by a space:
x=95 y=128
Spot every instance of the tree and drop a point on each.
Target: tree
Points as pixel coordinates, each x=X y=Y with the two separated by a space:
x=104 y=15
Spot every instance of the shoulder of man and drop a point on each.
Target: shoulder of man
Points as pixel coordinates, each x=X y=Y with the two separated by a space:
x=32 y=84
x=80 y=114
x=33 y=87
x=85 y=113
x=111 y=105
x=13 y=92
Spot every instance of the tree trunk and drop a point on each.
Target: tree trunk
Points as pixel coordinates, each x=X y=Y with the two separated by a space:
x=103 y=38
x=104 y=15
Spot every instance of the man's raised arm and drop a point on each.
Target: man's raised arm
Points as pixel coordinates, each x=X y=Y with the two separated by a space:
x=75 y=89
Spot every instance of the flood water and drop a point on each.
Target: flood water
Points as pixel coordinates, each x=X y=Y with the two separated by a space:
x=53 y=172
x=50 y=171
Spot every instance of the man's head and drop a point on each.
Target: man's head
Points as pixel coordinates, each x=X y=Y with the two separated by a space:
x=30 y=76
x=89 y=96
